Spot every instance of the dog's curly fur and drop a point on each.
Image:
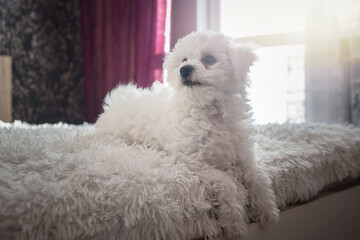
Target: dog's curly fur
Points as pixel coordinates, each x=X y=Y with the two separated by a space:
x=204 y=113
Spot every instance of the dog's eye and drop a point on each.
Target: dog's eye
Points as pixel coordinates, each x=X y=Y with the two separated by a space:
x=185 y=59
x=209 y=60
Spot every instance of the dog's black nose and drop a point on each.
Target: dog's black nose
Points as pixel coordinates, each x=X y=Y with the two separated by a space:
x=186 y=70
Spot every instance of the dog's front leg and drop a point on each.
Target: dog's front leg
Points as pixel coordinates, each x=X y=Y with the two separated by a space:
x=262 y=206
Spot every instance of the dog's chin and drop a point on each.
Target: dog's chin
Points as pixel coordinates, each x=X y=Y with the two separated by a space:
x=190 y=83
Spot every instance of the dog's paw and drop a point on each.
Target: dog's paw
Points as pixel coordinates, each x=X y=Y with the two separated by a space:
x=264 y=216
x=262 y=206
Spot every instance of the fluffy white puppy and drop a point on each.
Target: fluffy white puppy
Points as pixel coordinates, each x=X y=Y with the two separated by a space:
x=204 y=113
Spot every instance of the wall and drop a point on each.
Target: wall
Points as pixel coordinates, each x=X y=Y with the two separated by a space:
x=44 y=40
x=183 y=19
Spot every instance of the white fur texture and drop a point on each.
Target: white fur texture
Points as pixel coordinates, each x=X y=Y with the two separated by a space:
x=204 y=116
x=65 y=182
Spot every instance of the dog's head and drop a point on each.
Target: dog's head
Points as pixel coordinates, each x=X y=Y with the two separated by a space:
x=208 y=60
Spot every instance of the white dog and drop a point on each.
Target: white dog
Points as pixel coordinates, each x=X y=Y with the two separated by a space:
x=204 y=113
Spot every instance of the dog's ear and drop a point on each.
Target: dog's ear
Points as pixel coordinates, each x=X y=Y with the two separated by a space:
x=242 y=58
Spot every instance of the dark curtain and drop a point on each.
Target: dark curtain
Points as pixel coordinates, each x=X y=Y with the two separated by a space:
x=123 y=42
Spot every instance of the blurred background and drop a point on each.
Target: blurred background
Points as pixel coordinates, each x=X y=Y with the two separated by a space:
x=59 y=58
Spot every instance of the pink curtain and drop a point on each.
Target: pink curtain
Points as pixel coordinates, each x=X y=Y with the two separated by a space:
x=123 y=42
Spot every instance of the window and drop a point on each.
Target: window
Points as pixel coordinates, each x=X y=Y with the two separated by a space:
x=278 y=90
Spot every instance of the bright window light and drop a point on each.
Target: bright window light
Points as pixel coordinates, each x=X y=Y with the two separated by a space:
x=277 y=91
x=243 y=18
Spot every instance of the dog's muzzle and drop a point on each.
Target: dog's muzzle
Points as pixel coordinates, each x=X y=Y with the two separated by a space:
x=185 y=73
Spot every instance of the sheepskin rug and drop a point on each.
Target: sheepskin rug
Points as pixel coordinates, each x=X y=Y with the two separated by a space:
x=63 y=182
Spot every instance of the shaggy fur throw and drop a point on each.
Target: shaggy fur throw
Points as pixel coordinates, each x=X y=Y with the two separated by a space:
x=64 y=182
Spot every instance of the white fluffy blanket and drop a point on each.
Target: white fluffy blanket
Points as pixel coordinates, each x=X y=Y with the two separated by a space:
x=62 y=182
